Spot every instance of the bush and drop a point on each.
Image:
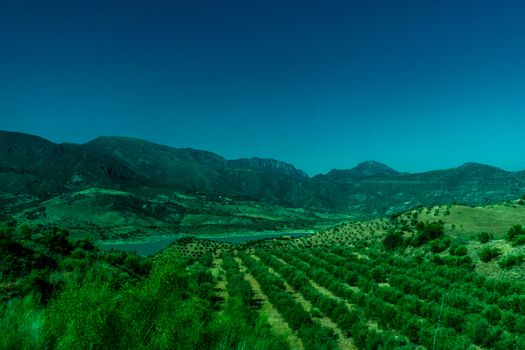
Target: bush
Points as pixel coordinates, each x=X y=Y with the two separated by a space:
x=518 y=240
x=515 y=231
x=488 y=254
x=439 y=245
x=458 y=250
x=428 y=231
x=493 y=314
x=511 y=261
x=393 y=239
x=484 y=237
x=57 y=241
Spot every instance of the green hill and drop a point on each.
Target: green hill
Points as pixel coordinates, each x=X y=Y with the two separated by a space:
x=394 y=282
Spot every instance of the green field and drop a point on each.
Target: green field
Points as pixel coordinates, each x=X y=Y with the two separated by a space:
x=390 y=283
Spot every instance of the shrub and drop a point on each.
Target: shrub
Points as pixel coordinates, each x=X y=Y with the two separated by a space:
x=378 y=274
x=393 y=239
x=37 y=283
x=514 y=232
x=87 y=244
x=439 y=245
x=519 y=240
x=458 y=250
x=484 y=237
x=428 y=231
x=511 y=261
x=57 y=241
x=488 y=254
x=492 y=313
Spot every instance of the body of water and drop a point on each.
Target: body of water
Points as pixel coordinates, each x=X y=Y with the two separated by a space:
x=155 y=246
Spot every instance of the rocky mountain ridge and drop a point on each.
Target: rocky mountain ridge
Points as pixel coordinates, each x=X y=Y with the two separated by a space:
x=30 y=165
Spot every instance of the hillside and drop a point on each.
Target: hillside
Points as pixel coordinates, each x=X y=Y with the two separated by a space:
x=33 y=170
x=364 y=170
x=412 y=280
x=120 y=215
x=190 y=170
x=470 y=184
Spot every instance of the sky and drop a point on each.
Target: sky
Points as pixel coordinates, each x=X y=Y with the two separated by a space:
x=416 y=84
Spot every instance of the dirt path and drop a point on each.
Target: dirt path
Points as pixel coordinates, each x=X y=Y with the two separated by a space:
x=343 y=342
x=275 y=320
x=220 y=276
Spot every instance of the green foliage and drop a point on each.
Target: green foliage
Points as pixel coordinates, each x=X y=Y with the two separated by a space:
x=458 y=250
x=518 y=240
x=485 y=237
x=164 y=311
x=82 y=317
x=57 y=241
x=428 y=231
x=439 y=245
x=511 y=260
x=516 y=235
x=488 y=254
x=515 y=231
x=493 y=314
x=21 y=324
x=117 y=300
x=393 y=239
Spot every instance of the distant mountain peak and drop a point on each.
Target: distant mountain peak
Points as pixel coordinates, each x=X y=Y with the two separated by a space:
x=478 y=169
x=373 y=168
x=476 y=165
x=363 y=170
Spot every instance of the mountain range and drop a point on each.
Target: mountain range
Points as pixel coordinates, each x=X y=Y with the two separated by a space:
x=37 y=169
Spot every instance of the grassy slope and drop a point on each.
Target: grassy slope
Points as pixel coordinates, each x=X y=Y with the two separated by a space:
x=363 y=238
x=469 y=221
x=110 y=214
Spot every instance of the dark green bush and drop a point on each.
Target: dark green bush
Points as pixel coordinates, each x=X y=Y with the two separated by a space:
x=57 y=241
x=427 y=232
x=492 y=313
x=511 y=260
x=485 y=237
x=393 y=239
x=514 y=231
x=458 y=250
x=518 y=240
x=489 y=254
x=439 y=245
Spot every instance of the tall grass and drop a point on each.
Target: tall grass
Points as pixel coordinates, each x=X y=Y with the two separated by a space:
x=21 y=324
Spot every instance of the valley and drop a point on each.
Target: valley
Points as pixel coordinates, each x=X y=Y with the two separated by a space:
x=123 y=243
x=420 y=279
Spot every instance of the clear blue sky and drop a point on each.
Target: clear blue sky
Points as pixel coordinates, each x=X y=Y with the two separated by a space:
x=418 y=84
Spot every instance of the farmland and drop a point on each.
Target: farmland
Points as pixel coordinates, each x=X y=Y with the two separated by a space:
x=398 y=282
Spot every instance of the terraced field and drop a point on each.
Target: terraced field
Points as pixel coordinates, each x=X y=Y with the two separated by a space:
x=353 y=297
x=391 y=283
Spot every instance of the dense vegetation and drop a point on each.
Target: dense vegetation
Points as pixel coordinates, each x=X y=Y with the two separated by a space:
x=71 y=296
x=406 y=291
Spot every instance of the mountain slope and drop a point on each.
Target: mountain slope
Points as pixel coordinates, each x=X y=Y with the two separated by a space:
x=34 y=166
x=364 y=170
x=185 y=168
x=192 y=170
x=270 y=165
x=30 y=164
